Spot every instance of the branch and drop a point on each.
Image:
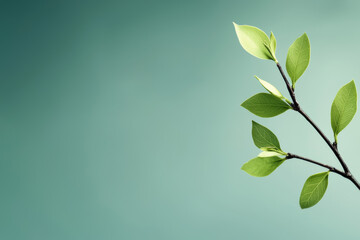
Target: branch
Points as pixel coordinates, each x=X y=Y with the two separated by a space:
x=295 y=105
x=289 y=88
x=297 y=108
x=333 y=147
x=331 y=168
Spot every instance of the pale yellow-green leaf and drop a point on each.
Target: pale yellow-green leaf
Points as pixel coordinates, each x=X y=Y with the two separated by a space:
x=270 y=88
x=272 y=42
x=268 y=154
x=254 y=41
x=298 y=58
x=273 y=46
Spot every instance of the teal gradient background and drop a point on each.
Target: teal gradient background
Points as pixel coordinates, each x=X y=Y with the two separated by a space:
x=122 y=120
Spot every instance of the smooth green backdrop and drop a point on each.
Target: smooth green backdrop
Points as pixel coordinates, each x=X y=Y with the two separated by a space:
x=122 y=120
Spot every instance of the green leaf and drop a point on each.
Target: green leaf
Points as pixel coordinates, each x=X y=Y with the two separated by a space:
x=272 y=42
x=261 y=167
x=265 y=105
x=263 y=137
x=273 y=46
x=343 y=108
x=314 y=189
x=270 y=88
x=254 y=41
x=298 y=58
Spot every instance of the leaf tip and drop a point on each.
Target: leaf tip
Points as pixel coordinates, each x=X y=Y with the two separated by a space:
x=305 y=36
x=243 y=167
x=253 y=123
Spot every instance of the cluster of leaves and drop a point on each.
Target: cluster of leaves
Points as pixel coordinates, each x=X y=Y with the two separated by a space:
x=273 y=103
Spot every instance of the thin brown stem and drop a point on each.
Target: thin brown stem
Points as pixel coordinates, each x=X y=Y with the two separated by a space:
x=289 y=88
x=296 y=107
x=331 y=168
x=332 y=147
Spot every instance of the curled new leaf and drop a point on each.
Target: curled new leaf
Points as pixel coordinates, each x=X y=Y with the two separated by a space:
x=265 y=105
x=268 y=154
x=272 y=43
x=261 y=167
x=270 y=88
x=298 y=58
x=314 y=189
x=343 y=108
x=254 y=41
x=273 y=149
